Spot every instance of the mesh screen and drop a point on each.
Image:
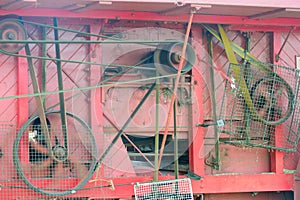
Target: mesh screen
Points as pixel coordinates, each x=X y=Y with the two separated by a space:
x=173 y=189
x=36 y=167
x=271 y=119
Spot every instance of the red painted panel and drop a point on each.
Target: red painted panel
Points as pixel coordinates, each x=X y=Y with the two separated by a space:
x=251 y=196
x=233 y=160
x=8 y=87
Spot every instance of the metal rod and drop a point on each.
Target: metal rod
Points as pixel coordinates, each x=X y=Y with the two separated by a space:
x=175 y=87
x=66 y=29
x=156 y=144
x=87 y=41
x=124 y=126
x=176 y=164
x=246 y=75
x=44 y=67
x=60 y=87
x=87 y=88
x=214 y=104
x=75 y=61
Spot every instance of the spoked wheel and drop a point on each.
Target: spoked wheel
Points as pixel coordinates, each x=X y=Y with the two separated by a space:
x=11 y=30
x=273 y=100
x=63 y=170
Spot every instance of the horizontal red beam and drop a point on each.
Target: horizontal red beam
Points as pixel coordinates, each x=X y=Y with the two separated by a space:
x=149 y=16
x=262 y=28
x=123 y=187
x=244 y=183
x=255 y=3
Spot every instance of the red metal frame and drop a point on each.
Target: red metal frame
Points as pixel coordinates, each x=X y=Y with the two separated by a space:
x=22 y=88
x=274 y=180
x=197 y=137
x=209 y=184
x=277 y=156
x=22 y=85
x=125 y=15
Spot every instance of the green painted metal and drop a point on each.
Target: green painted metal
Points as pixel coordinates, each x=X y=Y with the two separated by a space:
x=89 y=41
x=246 y=75
x=38 y=100
x=61 y=87
x=214 y=105
x=88 y=88
x=156 y=145
x=44 y=67
x=176 y=157
x=77 y=61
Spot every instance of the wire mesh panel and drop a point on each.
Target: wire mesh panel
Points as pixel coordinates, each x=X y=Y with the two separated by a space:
x=260 y=107
x=179 y=189
x=54 y=160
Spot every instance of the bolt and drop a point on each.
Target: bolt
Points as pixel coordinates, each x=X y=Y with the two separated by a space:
x=10 y=36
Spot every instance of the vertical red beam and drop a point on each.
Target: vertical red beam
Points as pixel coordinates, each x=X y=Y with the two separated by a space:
x=22 y=103
x=196 y=148
x=277 y=156
x=22 y=88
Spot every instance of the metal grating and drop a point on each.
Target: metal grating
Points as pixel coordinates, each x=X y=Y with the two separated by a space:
x=273 y=120
x=180 y=189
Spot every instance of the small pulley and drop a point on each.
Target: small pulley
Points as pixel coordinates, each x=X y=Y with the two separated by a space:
x=167 y=58
x=10 y=30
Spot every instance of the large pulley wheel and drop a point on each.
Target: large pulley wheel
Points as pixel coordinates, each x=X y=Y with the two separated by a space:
x=11 y=30
x=167 y=58
x=71 y=168
x=273 y=100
